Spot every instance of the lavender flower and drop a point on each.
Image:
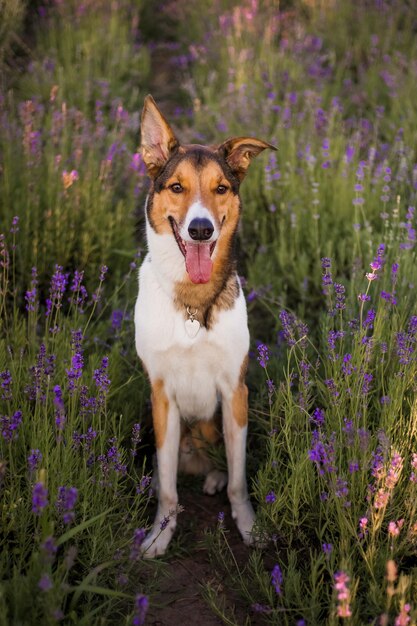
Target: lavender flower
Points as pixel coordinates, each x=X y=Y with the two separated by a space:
x=263 y=355
x=57 y=289
x=59 y=408
x=101 y=379
x=39 y=498
x=340 y=296
x=144 y=483
x=31 y=295
x=111 y=461
x=323 y=453
x=140 y=610
x=34 y=459
x=65 y=503
x=277 y=579
x=49 y=550
x=318 y=417
x=138 y=538
x=10 y=425
x=327 y=549
x=45 y=583
x=79 y=292
x=270 y=497
x=136 y=438
x=6 y=385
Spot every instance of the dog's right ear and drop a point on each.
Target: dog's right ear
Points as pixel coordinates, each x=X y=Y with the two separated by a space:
x=157 y=137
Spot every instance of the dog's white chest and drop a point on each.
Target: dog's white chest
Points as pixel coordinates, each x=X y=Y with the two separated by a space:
x=196 y=365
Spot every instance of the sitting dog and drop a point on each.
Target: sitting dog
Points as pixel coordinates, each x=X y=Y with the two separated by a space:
x=190 y=317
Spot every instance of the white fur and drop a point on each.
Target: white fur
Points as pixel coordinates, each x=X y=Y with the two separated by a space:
x=197 y=375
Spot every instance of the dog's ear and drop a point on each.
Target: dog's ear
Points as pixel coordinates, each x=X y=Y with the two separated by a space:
x=157 y=137
x=239 y=152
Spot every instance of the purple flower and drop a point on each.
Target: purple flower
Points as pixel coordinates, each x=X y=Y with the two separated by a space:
x=49 y=549
x=15 y=225
x=79 y=292
x=111 y=461
x=327 y=548
x=31 y=294
x=367 y=381
x=101 y=379
x=353 y=467
x=65 y=503
x=370 y=318
x=277 y=579
x=136 y=438
x=220 y=519
x=140 y=610
x=117 y=319
x=323 y=453
x=139 y=535
x=45 y=583
x=59 y=408
x=270 y=497
x=340 y=296
x=5 y=385
x=263 y=355
x=318 y=417
x=144 y=483
x=74 y=373
x=103 y=271
x=10 y=425
x=58 y=284
x=34 y=458
x=39 y=498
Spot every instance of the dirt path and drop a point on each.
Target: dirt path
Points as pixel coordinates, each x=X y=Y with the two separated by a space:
x=180 y=599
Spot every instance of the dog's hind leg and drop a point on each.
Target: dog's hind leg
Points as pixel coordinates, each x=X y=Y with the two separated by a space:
x=235 y=425
x=194 y=456
x=166 y=422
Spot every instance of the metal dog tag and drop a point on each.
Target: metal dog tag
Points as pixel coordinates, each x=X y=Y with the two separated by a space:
x=192 y=326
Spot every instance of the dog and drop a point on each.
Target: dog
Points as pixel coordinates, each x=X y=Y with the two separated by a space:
x=191 y=326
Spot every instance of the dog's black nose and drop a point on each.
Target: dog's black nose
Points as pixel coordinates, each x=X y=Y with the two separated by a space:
x=200 y=229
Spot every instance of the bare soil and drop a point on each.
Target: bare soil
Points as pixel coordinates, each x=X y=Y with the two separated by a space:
x=180 y=600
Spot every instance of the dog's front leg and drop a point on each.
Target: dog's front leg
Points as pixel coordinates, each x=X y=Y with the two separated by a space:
x=166 y=422
x=235 y=426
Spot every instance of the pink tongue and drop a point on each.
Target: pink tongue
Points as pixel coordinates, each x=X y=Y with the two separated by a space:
x=198 y=262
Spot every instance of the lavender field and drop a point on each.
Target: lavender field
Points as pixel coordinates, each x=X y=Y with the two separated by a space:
x=327 y=255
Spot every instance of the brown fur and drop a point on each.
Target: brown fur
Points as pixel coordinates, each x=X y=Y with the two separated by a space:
x=193 y=446
x=159 y=411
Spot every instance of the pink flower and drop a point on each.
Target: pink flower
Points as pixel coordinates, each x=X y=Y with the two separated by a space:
x=395 y=527
x=403 y=618
x=343 y=595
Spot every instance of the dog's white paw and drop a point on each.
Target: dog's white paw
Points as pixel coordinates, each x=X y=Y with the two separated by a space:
x=156 y=543
x=215 y=481
x=244 y=516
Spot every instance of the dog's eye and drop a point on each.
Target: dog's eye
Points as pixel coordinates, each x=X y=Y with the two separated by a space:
x=221 y=189
x=176 y=188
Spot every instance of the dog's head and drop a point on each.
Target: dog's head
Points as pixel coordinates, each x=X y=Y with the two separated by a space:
x=195 y=190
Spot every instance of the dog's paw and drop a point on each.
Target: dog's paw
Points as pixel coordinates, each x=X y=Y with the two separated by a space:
x=156 y=543
x=215 y=481
x=244 y=516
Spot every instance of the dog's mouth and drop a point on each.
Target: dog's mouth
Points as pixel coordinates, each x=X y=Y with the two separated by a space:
x=197 y=256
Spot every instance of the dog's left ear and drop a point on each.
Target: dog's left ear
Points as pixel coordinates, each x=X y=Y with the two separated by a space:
x=240 y=151
x=157 y=137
